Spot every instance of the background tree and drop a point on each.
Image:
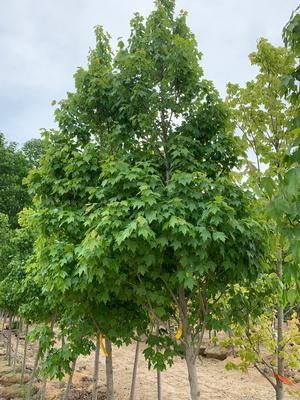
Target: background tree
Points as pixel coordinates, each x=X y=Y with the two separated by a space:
x=15 y=164
x=263 y=116
x=6 y=248
x=13 y=169
x=33 y=150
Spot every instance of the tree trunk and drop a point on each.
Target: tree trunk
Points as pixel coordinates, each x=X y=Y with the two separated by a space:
x=134 y=373
x=16 y=349
x=159 y=385
x=96 y=369
x=280 y=335
x=279 y=391
x=4 y=322
x=69 y=384
x=24 y=354
x=62 y=341
x=20 y=326
x=36 y=361
x=190 y=356
x=43 y=388
x=44 y=384
x=192 y=374
x=158 y=373
x=9 y=341
x=109 y=370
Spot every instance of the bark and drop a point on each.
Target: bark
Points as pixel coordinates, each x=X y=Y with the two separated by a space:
x=190 y=355
x=192 y=374
x=4 y=322
x=24 y=354
x=44 y=384
x=232 y=348
x=109 y=370
x=29 y=387
x=280 y=335
x=69 y=383
x=20 y=326
x=159 y=385
x=16 y=349
x=158 y=373
x=279 y=391
x=134 y=373
x=9 y=341
x=62 y=341
x=96 y=370
x=43 y=388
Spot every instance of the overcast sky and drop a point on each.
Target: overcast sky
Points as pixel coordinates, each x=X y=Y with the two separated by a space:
x=42 y=42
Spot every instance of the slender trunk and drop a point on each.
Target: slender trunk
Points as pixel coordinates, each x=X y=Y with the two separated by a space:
x=24 y=354
x=36 y=361
x=96 y=369
x=5 y=340
x=62 y=341
x=159 y=385
x=43 y=388
x=20 y=326
x=134 y=373
x=4 y=322
x=190 y=356
x=279 y=391
x=6 y=355
x=192 y=373
x=232 y=348
x=109 y=370
x=16 y=349
x=158 y=373
x=9 y=341
x=69 y=383
x=44 y=384
x=280 y=335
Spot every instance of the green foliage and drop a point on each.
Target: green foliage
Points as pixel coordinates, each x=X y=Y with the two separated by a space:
x=168 y=349
x=13 y=168
x=258 y=346
x=19 y=294
x=134 y=197
x=291 y=37
x=286 y=204
x=6 y=247
x=264 y=114
x=261 y=112
x=15 y=164
x=33 y=150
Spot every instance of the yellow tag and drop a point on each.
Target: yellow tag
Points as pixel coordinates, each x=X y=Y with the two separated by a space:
x=102 y=345
x=179 y=332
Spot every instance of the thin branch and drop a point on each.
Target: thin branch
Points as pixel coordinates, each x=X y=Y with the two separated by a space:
x=200 y=340
x=170 y=291
x=265 y=375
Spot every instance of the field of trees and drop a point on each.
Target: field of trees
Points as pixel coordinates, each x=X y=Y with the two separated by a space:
x=154 y=237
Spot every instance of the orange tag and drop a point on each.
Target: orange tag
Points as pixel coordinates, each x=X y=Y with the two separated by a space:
x=283 y=379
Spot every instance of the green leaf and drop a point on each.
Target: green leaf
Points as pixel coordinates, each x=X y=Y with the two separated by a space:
x=219 y=236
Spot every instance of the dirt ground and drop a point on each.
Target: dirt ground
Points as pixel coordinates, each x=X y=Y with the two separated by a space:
x=215 y=382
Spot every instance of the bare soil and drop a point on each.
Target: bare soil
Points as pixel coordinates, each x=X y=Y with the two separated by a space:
x=215 y=382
